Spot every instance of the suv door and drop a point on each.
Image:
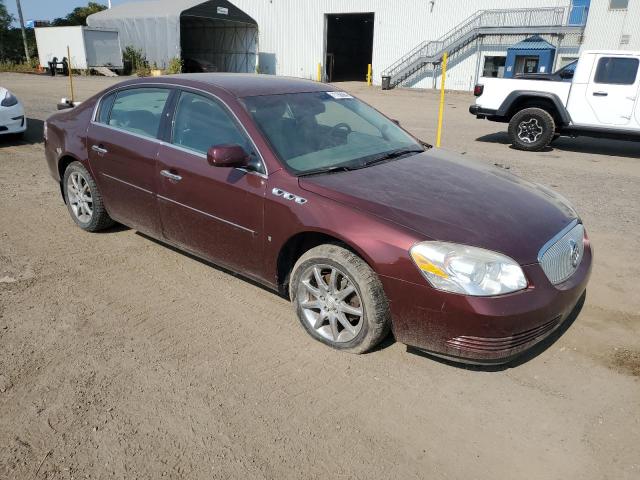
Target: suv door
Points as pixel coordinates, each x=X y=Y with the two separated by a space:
x=123 y=146
x=613 y=89
x=214 y=212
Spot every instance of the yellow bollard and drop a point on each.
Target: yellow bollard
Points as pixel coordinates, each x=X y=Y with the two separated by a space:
x=319 y=72
x=369 y=76
x=70 y=74
x=441 y=109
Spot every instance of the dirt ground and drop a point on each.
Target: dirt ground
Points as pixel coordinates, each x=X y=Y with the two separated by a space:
x=121 y=358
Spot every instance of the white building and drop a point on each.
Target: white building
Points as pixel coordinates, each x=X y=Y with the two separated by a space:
x=294 y=37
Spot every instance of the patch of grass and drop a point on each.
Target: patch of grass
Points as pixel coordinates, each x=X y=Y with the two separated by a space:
x=17 y=67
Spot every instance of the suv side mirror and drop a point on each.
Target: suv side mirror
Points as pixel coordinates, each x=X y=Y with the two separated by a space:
x=566 y=74
x=230 y=156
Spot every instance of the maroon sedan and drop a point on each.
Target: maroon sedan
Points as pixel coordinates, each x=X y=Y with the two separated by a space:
x=309 y=191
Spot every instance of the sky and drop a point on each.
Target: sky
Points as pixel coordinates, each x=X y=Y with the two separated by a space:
x=50 y=9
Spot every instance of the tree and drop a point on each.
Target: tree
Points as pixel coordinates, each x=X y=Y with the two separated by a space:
x=5 y=18
x=79 y=15
x=5 y=24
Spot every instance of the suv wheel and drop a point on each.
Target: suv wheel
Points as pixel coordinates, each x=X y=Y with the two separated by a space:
x=83 y=199
x=531 y=129
x=339 y=299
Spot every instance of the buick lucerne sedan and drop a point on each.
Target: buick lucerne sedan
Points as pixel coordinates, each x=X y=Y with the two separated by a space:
x=313 y=193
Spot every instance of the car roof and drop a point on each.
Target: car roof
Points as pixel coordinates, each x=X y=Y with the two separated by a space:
x=245 y=84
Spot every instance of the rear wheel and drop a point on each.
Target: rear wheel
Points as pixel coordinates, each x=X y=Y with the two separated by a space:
x=531 y=129
x=83 y=198
x=339 y=299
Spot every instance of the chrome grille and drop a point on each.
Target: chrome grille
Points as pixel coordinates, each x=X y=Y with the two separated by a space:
x=562 y=255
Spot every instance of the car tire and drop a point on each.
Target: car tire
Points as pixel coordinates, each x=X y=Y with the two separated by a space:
x=350 y=294
x=531 y=129
x=83 y=199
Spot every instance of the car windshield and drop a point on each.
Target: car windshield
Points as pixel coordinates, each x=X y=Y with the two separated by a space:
x=324 y=131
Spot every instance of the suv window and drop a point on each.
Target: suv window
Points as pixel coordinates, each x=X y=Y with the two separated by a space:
x=617 y=70
x=201 y=122
x=139 y=110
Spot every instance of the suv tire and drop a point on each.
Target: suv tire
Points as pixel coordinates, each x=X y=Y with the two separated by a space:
x=339 y=299
x=531 y=129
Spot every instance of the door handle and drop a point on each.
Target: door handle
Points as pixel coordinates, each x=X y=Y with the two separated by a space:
x=600 y=94
x=170 y=176
x=100 y=150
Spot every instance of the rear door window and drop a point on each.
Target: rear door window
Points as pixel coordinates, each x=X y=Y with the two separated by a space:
x=617 y=70
x=139 y=110
x=105 y=108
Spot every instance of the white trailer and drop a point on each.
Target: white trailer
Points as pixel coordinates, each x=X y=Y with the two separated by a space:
x=90 y=47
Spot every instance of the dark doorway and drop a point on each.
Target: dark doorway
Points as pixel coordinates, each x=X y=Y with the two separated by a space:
x=349 y=46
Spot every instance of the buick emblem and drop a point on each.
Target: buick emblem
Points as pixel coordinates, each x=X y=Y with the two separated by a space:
x=574 y=253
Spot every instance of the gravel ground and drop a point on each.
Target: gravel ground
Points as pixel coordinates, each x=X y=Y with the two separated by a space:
x=121 y=358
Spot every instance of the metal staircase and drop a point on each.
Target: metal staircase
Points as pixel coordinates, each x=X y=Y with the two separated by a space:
x=526 y=21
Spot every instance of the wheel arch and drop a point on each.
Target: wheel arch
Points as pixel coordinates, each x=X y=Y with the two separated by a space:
x=63 y=162
x=300 y=243
x=521 y=99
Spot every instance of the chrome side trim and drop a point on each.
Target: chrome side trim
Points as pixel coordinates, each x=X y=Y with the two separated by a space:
x=182 y=87
x=208 y=215
x=278 y=192
x=127 y=183
x=555 y=238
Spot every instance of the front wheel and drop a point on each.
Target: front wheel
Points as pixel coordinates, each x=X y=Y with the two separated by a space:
x=339 y=299
x=83 y=198
x=531 y=129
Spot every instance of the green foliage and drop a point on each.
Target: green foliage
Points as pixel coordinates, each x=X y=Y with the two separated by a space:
x=5 y=18
x=11 y=46
x=135 y=61
x=79 y=15
x=175 y=66
x=17 y=67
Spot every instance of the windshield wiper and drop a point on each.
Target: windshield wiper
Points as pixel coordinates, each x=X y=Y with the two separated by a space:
x=317 y=171
x=390 y=156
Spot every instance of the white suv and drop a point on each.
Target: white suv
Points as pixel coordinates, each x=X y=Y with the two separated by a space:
x=601 y=100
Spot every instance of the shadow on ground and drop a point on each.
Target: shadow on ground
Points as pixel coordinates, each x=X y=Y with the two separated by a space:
x=598 y=146
x=33 y=135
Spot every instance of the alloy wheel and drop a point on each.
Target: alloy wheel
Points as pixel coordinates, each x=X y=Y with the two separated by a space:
x=529 y=131
x=330 y=303
x=79 y=197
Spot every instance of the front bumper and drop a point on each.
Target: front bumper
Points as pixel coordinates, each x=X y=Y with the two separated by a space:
x=484 y=329
x=12 y=120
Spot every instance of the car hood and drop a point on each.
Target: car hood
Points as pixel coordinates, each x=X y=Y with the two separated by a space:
x=448 y=197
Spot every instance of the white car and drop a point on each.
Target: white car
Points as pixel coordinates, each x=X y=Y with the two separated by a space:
x=12 y=117
x=601 y=100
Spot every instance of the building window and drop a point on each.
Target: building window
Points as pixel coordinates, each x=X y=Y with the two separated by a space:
x=494 y=67
x=618 y=4
x=617 y=70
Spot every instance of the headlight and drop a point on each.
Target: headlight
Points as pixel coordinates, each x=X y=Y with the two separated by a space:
x=9 y=100
x=467 y=270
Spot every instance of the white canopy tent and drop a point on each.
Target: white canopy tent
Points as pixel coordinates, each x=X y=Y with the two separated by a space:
x=216 y=32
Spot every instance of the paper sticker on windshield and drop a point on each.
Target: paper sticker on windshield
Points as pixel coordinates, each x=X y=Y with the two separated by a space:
x=339 y=95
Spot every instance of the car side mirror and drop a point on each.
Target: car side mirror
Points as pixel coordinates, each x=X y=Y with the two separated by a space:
x=566 y=74
x=230 y=156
